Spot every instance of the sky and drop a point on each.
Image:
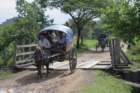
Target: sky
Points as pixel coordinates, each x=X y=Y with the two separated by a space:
x=7 y=10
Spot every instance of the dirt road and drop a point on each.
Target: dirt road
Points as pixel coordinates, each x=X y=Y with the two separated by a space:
x=58 y=81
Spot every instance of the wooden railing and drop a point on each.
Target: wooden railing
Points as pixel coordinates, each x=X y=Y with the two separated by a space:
x=23 y=55
x=118 y=57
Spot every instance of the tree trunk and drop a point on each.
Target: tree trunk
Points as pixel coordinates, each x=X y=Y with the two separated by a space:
x=78 y=38
x=82 y=40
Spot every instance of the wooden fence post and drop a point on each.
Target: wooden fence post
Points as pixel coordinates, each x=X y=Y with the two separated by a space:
x=23 y=55
x=117 y=50
x=118 y=57
x=111 y=48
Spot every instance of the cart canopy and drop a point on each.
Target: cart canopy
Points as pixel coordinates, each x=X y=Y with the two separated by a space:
x=68 y=31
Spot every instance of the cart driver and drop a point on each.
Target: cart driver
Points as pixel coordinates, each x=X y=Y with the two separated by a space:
x=44 y=42
x=61 y=41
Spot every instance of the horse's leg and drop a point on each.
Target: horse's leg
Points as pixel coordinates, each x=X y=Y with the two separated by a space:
x=47 y=69
x=96 y=47
x=39 y=71
x=102 y=49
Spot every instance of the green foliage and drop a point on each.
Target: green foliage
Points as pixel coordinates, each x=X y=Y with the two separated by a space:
x=123 y=18
x=87 y=30
x=134 y=52
x=32 y=18
x=23 y=29
x=134 y=55
x=6 y=44
x=33 y=12
x=105 y=83
x=1 y=61
x=88 y=43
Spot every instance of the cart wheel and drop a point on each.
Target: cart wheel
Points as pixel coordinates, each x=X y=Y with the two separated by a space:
x=72 y=60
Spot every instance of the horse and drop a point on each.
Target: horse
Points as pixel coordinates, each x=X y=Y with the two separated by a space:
x=102 y=42
x=40 y=61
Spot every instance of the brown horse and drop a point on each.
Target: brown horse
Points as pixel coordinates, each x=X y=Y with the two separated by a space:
x=41 y=61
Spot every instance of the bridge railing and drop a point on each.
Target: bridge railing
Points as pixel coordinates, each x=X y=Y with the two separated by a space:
x=118 y=57
x=23 y=55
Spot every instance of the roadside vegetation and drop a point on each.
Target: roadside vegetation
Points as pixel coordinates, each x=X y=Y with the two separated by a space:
x=134 y=55
x=106 y=83
x=134 y=52
x=88 y=43
x=5 y=74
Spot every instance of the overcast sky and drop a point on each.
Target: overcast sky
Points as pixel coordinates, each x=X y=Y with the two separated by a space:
x=7 y=10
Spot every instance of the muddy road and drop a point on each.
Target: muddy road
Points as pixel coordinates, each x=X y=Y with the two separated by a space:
x=58 y=81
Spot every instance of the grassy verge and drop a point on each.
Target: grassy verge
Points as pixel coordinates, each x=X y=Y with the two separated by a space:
x=135 y=59
x=105 y=83
x=87 y=45
x=135 y=66
x=5 y=75
x=134 y=56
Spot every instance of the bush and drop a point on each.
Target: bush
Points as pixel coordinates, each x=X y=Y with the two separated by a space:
x=1 y=62
x=134 y=52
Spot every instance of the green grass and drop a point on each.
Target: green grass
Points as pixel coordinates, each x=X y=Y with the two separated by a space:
x=5 y=75
x=88 y=43
x=105 y=83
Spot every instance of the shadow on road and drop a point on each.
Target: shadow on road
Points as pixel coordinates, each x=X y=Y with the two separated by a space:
x=32 y=78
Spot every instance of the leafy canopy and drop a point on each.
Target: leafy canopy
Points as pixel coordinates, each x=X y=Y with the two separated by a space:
x=123 y=18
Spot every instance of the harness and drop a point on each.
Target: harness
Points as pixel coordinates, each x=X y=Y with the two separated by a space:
x=38 y=55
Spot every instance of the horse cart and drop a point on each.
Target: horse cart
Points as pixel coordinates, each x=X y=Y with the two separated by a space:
x=102 y=42
x=55 y=44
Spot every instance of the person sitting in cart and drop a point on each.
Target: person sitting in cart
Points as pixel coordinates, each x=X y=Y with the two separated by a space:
x=44 y=42
x=62 y=39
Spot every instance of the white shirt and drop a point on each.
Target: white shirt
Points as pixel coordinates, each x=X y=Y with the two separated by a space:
x=45 y=43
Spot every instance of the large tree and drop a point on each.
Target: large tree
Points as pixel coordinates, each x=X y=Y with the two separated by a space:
x=31 y=18
x=88 y=29
x=123 y=18
x=81 y=12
